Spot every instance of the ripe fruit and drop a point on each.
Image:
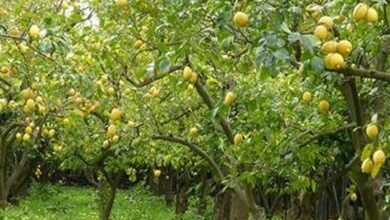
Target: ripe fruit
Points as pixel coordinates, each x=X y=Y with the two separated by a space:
x=14 y=31
x=306 y=96
x=111 y=91
x=321 y=32
x=194 y=132
x=115 y=139
x=28 y=130
x=372 y=131
x=372 y=15
x=66 y=121
x=39 y=99
x=130 y=124
x=122 y=3
x=71 y=92
x=367 y=166
x=34 y=32
x=240 y=19
x=187 y=73
x=26 y=137
x=154 y=92
x=194 y=78
x=41 y=109
x=111 y=131
x=229 y=98
x=327 y=21
x=30 y=104
x=27 y=94
x=57 y=149
x=138 y=44
x=344 y=47
x=238 y=139
x=324 y=106
x=105 y=144
x=353 y=197
x=360 y=11
x=116 y=114
x=329 y=47
x=157 y=173
x=4 y=69
x=19 y=136
x=334 y=61
x=379 y=157
x=51 y=133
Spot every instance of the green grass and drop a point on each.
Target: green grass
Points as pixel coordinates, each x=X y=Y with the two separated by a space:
x=57 y=202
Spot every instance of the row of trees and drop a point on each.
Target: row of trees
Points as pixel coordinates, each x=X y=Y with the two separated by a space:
x=274 y=109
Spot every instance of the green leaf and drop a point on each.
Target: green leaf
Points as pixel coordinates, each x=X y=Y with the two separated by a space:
x=375 y=170
x=317 y=64
x=164 y=65
x=366 y=151
x=285 y=28
x=281 y=54
x=294 y=36
x=309 y=42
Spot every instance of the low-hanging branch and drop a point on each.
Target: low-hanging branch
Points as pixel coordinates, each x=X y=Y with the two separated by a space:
x=321 y=135
x=196 y=149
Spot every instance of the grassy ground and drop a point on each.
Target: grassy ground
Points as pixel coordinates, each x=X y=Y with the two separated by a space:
x=56 y=202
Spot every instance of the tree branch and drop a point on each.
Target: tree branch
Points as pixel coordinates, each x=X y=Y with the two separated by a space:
x=371 y=74
x=197 y=150
x=152 y=79
x=321 y=135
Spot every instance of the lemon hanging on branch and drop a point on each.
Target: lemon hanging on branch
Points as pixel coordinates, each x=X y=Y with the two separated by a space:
x=240 y=19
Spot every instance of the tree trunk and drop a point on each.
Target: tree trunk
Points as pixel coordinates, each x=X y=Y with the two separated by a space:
x=239 y=210
x=108 y=205
x=204 y=191
x=222 y=206
x=169 y=197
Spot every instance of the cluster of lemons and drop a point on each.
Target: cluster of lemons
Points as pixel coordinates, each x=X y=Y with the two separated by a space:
x=115 y=115
x=374 y=164
x=335 y=51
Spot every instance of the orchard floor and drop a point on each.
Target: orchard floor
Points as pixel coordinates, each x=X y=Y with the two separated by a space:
x=58 y=202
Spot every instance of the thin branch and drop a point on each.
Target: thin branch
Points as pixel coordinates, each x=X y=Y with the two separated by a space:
x=197 y=150
x=152 y=79
x=321 y=135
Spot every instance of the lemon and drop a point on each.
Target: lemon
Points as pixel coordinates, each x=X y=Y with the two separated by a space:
x=327 y=21
x=360 y=11
x=323 y=106
x=344 y=47
x=379 y=157
x=229 y=98
x=367 y=166
x=372 y=15
x=238 y=139
x=329 y=47
x=372 y=131
x=306 y=97
x=240 y=19
x=321 y=32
